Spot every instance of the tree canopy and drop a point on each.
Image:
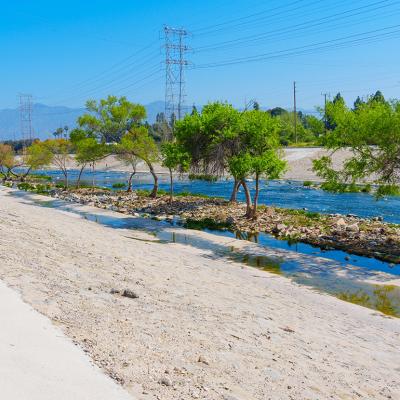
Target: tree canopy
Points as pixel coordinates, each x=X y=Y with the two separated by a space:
x=372 y=133
x=109 y=119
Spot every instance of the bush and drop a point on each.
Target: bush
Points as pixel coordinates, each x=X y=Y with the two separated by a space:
x=307 y=183
x=39 y=189
x=40 y=177
x=206 y=223
x=119 y=185
x=388 y=190
x=146 y=193
x=337 y=187
x=203 y=177
x=367 y=188
x=25 y=186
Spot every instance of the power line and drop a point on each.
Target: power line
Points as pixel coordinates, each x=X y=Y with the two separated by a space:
x=295 y=28
x=237 y=21
x=306 y=49
x=114 y=68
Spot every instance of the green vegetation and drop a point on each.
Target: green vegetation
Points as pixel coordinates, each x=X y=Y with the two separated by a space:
x=38 y=177
x=175 y=158
x=136 y=144
x=371 y=130
x=203 y=177
x=307 y=183
x=39 y=188
x=388 y=190
x=206 y=223
x=385 y=299
x=119 y=185
x=221 y=139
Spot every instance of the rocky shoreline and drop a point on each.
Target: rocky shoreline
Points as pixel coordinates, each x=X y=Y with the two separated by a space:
x=355 y=235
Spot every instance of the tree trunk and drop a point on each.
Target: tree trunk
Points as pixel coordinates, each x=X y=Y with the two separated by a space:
x=92 y=176
x=129 y=190
x=254 y=213
x=235 y=189
x=78 y=182
x=65 y=173
x=23 y=176
x=248 y=198
x=171 y=186
x=155 y=187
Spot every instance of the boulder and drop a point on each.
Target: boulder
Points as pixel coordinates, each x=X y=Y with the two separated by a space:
x=352 y=228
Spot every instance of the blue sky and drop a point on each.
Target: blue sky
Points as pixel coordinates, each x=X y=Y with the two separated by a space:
x=64 y=52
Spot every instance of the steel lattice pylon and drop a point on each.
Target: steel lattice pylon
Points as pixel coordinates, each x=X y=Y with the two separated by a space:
x=25 y=113
x=175 y=63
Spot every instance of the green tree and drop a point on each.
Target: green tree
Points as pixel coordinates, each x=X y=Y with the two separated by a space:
x=7 y=160
x=37 y=156
x=260 y=152
x=78 y=138
x=89 y=151
x=315 y=126
x=128 y=154
x=210 y=138
x=378 y=98
x=372 y=132
x=358 y=103
x=175 y=158
x=287 y=131
x=139 y=144
x=109 y=119
x=60 y=150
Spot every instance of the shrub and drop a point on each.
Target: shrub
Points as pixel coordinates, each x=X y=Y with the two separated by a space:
x=40 y=177
x=203 y=177
x=388 y=190
x=206 y=223
x=119 y=185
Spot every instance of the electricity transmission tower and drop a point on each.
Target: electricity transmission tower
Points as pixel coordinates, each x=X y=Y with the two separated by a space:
x=175 y=63
x=25 y=114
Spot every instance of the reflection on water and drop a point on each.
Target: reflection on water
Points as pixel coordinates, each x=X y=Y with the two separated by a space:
x=342 y=280
x=383 y=298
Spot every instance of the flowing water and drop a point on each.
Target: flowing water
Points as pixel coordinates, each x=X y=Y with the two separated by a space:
x=289 y=194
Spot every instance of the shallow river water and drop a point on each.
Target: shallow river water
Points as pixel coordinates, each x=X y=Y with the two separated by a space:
x=290 y=194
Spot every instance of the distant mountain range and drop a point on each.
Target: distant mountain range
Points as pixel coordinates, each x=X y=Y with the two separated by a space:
x=46 y=119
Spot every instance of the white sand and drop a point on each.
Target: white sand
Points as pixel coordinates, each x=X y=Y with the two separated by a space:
x=37 y=362
x=263 y=337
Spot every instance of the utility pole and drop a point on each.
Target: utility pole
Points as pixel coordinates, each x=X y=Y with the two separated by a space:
x=25 y=115
x=325 y=119
x=175 y=63
x=295 y=111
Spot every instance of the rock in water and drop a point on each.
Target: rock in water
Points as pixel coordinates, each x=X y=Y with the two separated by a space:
x=353 y=228
x=341 y=222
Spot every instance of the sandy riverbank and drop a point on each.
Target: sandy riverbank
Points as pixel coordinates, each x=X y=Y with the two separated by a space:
x=206 y=327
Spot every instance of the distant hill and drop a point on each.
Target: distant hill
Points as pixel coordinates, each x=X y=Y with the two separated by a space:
x=46 y=119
